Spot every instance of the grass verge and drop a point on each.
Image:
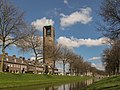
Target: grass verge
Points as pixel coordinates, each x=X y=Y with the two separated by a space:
x=16 y=80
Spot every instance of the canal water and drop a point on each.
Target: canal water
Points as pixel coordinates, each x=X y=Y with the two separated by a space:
x=67 y=86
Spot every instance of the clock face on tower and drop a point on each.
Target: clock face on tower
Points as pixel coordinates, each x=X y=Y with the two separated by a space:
x=48 y=32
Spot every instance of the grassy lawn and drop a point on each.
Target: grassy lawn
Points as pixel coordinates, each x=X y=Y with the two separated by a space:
x=14 y=80
x=111 y=83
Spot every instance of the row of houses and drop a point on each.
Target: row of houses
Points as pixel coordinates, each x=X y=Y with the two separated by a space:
x=21 y=65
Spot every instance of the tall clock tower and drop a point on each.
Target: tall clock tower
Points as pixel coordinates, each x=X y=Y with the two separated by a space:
x=48 y=40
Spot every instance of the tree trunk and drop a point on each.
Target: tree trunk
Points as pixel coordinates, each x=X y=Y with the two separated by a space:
x=118 y=67
x=35 y=63
x=70 y=68
x=63 y=67
x=3 y=57
x=35 y=71
x=53 y=67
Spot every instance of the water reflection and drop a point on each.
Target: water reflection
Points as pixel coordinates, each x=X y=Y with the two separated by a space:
x=75 y=85
x=68 y=86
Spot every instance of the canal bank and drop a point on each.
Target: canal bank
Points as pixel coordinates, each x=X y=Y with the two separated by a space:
x=16 y=80
x=76 y=85
x=109 y=83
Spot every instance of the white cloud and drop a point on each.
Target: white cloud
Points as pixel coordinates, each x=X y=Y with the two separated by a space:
x=98 y=66
x=39 y=23
x=95 y=58
x=82 y=16
x=93 y=65
x=66 y=1
x=74 y=42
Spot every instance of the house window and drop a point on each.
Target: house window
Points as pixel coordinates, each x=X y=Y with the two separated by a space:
x=11 y=65
x=6 y=59
x=22 y=61
x=19 y=66
x=15 y=60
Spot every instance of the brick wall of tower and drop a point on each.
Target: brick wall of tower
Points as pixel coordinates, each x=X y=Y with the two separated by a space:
x=48 y=40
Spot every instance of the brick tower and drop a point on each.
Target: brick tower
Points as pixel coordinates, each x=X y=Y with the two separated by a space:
x=48 y=40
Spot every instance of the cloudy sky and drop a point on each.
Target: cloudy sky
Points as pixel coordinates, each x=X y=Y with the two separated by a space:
x=74 y=22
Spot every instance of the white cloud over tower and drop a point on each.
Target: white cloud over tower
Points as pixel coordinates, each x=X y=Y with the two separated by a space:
x=39 y=23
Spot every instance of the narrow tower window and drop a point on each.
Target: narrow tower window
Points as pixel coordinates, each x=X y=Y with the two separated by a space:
x=48 y=32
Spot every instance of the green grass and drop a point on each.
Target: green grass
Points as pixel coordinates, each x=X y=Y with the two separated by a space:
x=110 y=83
x=15 y=80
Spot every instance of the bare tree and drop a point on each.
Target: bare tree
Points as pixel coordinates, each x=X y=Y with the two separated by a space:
x=111 y=59
x=110 y=11
x=71 y=61
x=32 y=43
x=54 y=53
x=108 y=62
x=12 y=26
x=87 y=67
x=65 y=56
x=78 y=65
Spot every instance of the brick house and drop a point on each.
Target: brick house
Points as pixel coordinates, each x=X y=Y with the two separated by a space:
x=20 y=65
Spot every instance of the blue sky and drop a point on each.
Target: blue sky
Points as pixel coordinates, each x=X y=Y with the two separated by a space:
x=74 y=22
